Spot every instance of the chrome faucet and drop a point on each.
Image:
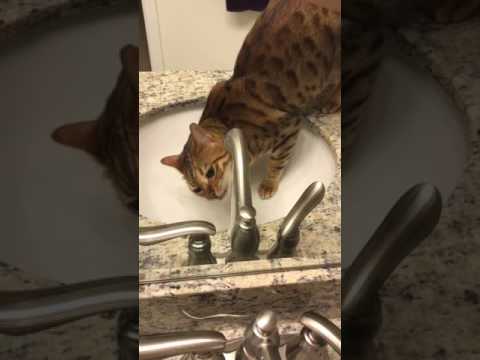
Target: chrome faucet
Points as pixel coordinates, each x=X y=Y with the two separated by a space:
x=408 y=223
x=245 y=238
x=199 y=244
x=173 y=344
x=244 y=234
x=288 y=235
x=262 y=340
x=28 y=311
x=318 y=331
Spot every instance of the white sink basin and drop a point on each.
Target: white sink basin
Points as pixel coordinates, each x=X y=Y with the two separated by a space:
x=57 y=200
x=165 y=197
x=413 y=133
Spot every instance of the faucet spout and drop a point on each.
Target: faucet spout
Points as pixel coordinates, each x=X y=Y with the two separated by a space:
x=245 y=238
x=261 y=339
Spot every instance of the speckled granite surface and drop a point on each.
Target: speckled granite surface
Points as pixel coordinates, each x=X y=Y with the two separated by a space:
x=290 y=294
x=89 y=338
x=432 y=302
x=320 y=232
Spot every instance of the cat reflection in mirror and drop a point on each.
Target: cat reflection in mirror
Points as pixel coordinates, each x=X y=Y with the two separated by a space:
x=288 y=67
x=112 y=138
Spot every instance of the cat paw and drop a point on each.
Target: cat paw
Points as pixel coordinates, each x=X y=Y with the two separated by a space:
x=267 y=189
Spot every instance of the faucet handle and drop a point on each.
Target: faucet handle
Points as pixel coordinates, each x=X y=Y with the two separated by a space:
x=317 y=332
x=157 y=234
x=173 y=344
x=27 y=311
x=322 y=330
x=199 y=244
x=289 y=235
x=411 y=220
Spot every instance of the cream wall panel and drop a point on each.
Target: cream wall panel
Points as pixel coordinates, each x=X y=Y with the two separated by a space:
x=154 y=38
x=199 y=34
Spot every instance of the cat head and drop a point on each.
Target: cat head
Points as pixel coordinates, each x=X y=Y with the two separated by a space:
x=113 y=137
x=204 y=163
x=84 y=135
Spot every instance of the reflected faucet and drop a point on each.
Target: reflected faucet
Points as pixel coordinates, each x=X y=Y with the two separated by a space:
x=199 y=244
x=245 y=238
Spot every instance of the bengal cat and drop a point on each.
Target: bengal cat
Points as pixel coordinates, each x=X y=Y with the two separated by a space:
x=113 y=138
x=287 y=68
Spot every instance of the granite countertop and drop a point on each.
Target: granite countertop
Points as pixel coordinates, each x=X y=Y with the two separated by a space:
x=434 y=296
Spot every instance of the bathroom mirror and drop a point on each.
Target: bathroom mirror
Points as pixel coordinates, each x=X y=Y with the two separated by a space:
x=166 y=199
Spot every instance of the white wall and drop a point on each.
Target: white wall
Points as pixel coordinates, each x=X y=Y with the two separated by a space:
x=194 y=34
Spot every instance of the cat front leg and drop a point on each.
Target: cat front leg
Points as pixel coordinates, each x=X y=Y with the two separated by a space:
x=279 y=158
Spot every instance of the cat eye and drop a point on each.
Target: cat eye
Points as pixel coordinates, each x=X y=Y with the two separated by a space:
x=196 y=190
x=210 y=172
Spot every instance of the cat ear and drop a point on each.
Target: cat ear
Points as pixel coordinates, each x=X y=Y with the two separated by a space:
x=81 y=135
x=173 y=161
x=129 y=57
x=200 y=135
